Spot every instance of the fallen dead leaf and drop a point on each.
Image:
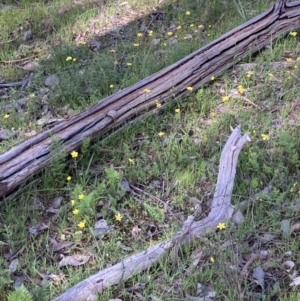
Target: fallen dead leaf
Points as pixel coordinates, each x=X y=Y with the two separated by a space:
x=74 y=260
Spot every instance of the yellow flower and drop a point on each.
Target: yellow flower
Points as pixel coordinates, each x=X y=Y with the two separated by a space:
x=118 y=217
x=81 y=224
x=136 y=44
x=81 y=43
x=212 y=259
x=213 y=114
x=179 y=27
x=6 y=116
x=74 y=59
x=69 y=58
x=112 y=50
x=295 y=67
x=158 y=105
x=249 y=74
x=150 y=33
x=131 y=160
x=111 y=86
x=31 y=95
x=192 y=25
x=189 y=88
x=74 y=154
x=265 y=136
x=69 y=178
x=293 y=33
x=72 y=202
x=289 y=59
x=147 y=90
x=188 y=12
x=81 y=196
x=165 y=44
x=75 y=211
x=160 y=134
x=200 y=26
x=209 y=26
x=221 y=226
x=225 y=98
x=177 y=110
x=271 y=74
x=139 y=34
x=241 y=89
x=170 y=33
x=298 y=58
x=208 y=34
x=212 y=78
x=129 y=64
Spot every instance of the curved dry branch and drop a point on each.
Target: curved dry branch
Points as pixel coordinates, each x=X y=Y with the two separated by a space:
x=221 y=211
x=28 y=158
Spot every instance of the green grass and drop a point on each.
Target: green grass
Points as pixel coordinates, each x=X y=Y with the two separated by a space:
x=172 y=171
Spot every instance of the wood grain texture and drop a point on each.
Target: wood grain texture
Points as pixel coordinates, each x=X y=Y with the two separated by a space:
x=196 y=69
x=220 y=212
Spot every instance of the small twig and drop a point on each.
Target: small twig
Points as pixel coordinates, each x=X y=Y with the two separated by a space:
x=149 y=195
x=253 y=257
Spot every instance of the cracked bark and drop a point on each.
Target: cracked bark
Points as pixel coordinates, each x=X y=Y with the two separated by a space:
x=28 y=158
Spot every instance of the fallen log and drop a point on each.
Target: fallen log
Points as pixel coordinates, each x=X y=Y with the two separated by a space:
x=196 y=69
x=221 y=211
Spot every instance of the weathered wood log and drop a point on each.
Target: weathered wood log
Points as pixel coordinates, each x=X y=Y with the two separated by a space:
x=29 y=157
x=221 y=211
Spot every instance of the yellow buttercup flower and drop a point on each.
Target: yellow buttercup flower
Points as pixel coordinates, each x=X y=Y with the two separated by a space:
x=69 y=58
x=74 y=154
x=265 y=136
x=81 y=225
x=118 y=217
x=147 y=90
x=225 y=98
x=158 y=105
x=160 y=134
x=212 y=78
x=69 y=178
x=293 y=33
x=241 y=89
x=131 y=160
x=6 y=116
x=139 y=34
x=188 y=12
x=81 y=196
x=75 y=211
x=221 y=226
x=177 y=110
x=189 y=88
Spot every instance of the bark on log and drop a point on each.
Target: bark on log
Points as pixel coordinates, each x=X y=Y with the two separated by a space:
x=221 y=211
x=28 y=158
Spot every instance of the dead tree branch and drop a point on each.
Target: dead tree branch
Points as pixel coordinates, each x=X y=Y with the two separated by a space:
x=196 y=69
x=221 y=211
